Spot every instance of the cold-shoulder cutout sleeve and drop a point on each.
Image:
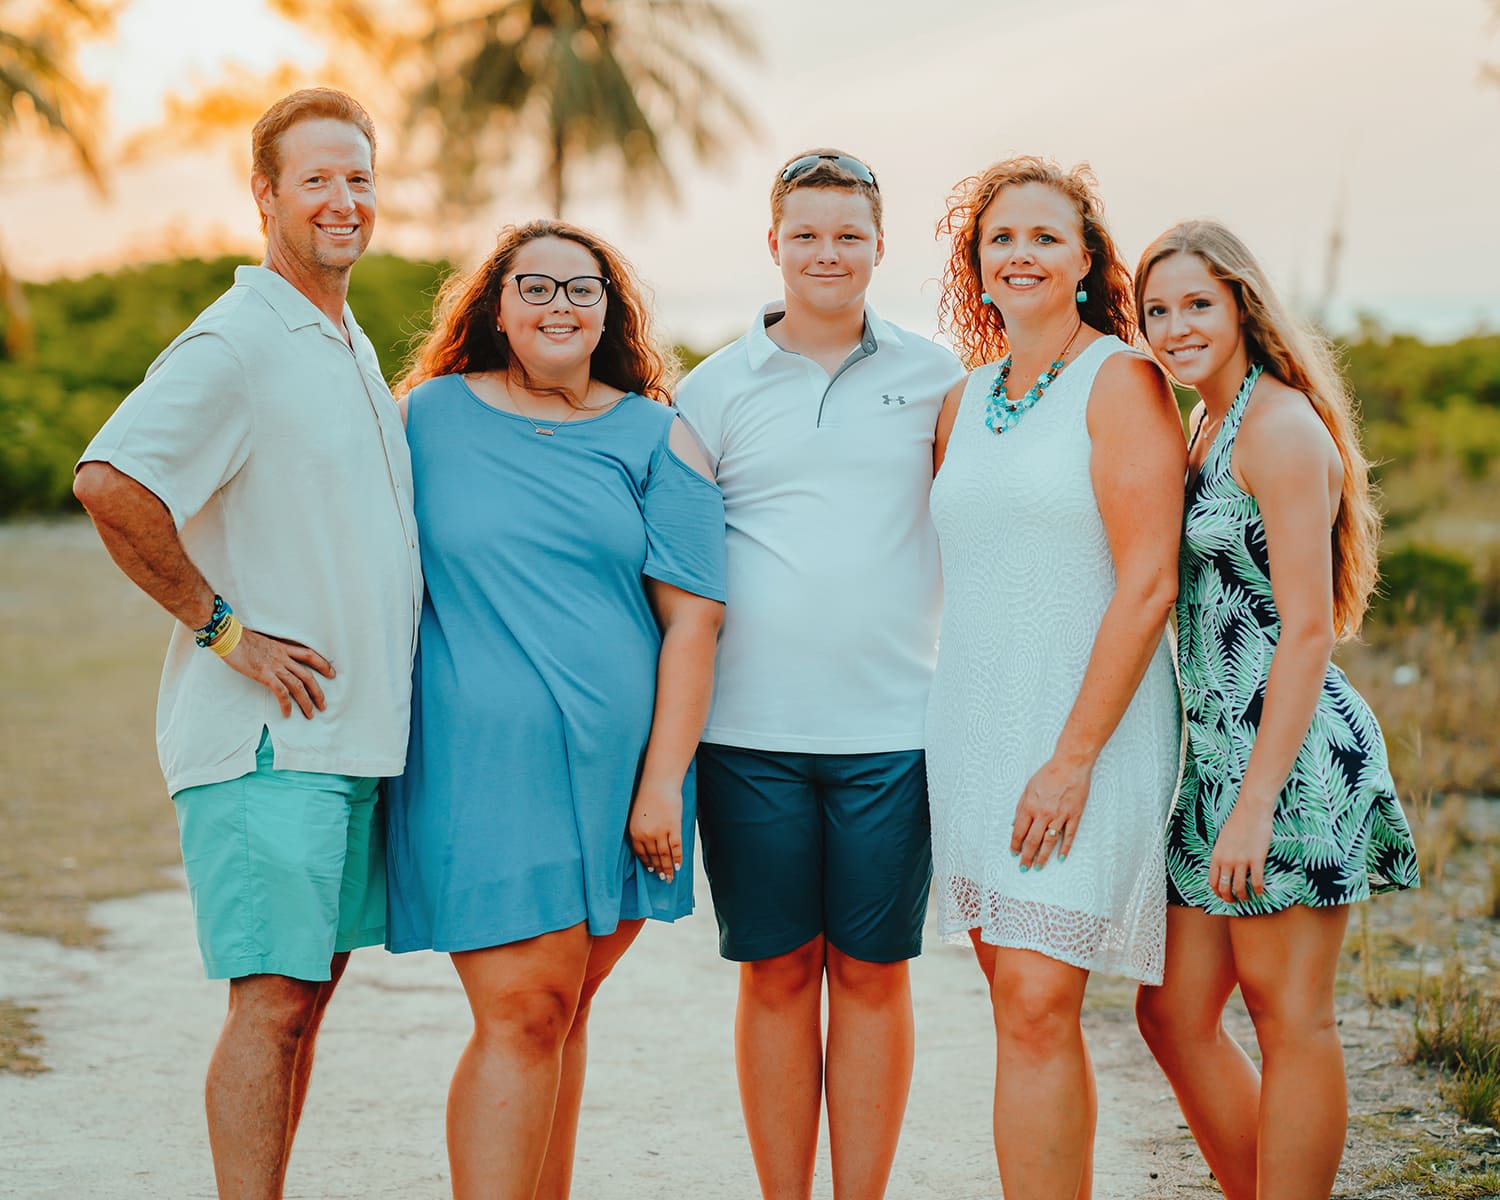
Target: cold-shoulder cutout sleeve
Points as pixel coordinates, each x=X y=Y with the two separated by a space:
x=684 y=515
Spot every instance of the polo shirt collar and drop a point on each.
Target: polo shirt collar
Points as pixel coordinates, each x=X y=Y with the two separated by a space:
x=760 y=347
x=294 y=308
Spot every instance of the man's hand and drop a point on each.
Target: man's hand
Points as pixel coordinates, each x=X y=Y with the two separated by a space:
x=289 y=669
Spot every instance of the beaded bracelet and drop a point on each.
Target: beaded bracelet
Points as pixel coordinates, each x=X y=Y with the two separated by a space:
x=224 y=644
x=216 y=623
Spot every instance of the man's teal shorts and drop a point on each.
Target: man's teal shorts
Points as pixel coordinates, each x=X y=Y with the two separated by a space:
x=285 y=868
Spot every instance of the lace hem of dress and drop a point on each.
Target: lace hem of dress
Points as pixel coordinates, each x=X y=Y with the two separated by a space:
x=1134 y=949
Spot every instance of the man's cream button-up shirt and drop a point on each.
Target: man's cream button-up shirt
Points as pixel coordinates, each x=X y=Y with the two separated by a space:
x=281 y=456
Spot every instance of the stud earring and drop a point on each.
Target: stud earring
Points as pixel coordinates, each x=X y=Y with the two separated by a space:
x=985 y=298
x=1083 y=293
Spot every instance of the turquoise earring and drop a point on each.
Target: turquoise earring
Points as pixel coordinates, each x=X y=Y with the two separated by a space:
x=1082 y=293
x=984 y=298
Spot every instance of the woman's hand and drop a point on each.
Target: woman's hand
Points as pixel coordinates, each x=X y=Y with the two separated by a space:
x=1239 y=858
x=1051 y=807
x=655 y=829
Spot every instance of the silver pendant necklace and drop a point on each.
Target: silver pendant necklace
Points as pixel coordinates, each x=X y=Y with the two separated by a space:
x=549 y=430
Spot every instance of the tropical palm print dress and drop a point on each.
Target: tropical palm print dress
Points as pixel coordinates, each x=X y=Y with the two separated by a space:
x=1338 y=833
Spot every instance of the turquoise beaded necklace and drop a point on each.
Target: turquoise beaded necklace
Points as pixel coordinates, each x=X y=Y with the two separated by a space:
x=1001 y=412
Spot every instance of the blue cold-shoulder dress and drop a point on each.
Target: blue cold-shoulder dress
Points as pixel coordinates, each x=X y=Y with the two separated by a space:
x=535 y=672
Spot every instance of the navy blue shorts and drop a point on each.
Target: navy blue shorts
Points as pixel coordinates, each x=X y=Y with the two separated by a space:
x=801 y=844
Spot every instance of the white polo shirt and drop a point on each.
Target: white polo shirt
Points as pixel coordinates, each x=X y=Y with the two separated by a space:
x=830 y=631
x=280 y=455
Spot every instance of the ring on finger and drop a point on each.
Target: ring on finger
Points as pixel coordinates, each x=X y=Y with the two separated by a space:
x=1051 y=833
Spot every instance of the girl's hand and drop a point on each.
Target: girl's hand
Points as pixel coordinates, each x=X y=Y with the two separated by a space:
x=1047 y=816
x=1239 y=858
x=655 y=829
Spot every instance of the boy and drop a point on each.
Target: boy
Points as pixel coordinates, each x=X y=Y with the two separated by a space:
x=812 y=785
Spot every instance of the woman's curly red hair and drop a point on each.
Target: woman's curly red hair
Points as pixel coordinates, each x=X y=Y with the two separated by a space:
x=978 y=329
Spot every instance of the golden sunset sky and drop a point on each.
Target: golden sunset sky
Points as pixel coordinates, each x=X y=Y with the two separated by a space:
x=1281 y=117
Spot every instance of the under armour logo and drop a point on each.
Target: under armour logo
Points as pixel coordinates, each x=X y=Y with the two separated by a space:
x=892 y=399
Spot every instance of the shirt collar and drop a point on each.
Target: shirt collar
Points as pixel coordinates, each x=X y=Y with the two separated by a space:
x=291 y=305
x=760 y=347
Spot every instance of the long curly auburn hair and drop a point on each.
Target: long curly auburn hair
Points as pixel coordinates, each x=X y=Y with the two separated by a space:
x=978 y=329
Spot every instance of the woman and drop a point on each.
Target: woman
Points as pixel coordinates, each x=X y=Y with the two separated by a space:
x=573 y=549
x=1286 y=812
x=1052 y=728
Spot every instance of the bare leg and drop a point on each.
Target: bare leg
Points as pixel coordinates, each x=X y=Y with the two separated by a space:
x=984 y=955
x=250 y=1083
x=557 y=1167
x=1044 y=1121
x=1217 y=1086
x=778 y=1052
x=869 y=1057
x=1287 y=964
x=504 y=1091
x=1091 y=1115
x=302 y=1068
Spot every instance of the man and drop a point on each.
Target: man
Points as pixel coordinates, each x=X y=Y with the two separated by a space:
x=257 y=486
x=812 y=788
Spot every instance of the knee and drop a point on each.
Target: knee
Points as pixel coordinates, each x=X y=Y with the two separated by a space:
x=1285 y=1025
x=872 y=984
x=1166 y=1018
x=280 y=1008
x=591 y=986
x=1153 y=1017
x=787 y=978
x=1036 y=1021
x=531 y=1022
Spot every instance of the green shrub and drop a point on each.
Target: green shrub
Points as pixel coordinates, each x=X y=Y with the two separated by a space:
x=97 y=335
x=1419 y=583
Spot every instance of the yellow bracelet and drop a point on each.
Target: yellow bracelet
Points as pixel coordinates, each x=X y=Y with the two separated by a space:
x=224 y=644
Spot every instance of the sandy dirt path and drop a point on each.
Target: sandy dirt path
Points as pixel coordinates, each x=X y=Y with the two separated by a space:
x=129 y=1029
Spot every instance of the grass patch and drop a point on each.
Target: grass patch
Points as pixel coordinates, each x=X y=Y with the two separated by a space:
x=1442 y=1173
x=83 y=805
x=1456 y=1028
x=17 y=1039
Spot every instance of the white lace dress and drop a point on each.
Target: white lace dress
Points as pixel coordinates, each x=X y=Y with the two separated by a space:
x=1027 y=576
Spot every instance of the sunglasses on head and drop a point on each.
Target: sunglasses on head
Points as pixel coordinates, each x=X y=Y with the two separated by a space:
x=801 y=166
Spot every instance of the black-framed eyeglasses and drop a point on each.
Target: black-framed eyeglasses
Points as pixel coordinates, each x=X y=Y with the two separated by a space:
x=801 y=166
x=582 y=290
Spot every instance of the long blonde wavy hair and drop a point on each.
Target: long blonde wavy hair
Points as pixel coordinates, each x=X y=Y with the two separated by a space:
x=1302 y=358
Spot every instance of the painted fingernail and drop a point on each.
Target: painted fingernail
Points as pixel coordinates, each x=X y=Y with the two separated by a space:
x=1062 y=856
x=1015 y=854
x=1024 y=868
x=1041 y=864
